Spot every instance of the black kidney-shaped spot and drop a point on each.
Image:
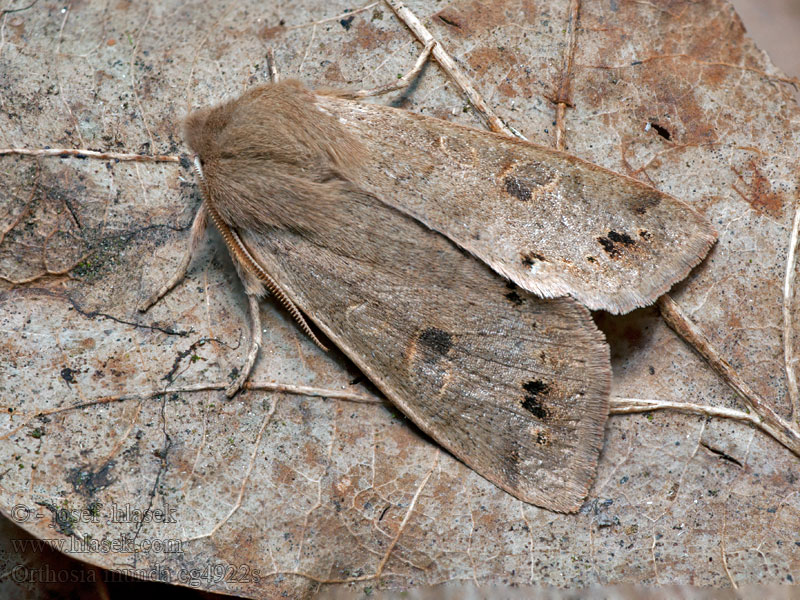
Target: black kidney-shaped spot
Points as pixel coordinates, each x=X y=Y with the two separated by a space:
x=613 y=243
x=645 y=201
x=516 y=188
x=532 y=403
x=621 y=238
x=436 y=340
x=608 y=246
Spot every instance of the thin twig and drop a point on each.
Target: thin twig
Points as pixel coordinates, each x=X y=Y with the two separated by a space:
x=789 y=358
x=403 y=81
x=308 y=48
x=336 y=18
x=626 y=406
x=562 y=98
x=274 y=77
x=692 y=335
x=81 y=153
x=452 y=69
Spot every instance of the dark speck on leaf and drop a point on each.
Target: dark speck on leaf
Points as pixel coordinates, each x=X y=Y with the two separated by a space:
x=661 y=130
x=448 y=21
x=346 y=22
x=87 y=481
x=68 y=375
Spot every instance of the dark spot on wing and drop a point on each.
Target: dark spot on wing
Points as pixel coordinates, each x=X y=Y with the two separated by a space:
x=536 y=387
x=644 y=234
x=591 y=259
x=514 y=298
x=516 y=188
x=541 y=438
x=528 y=258
x=436 y=340
x=532 y=403
x=621 y=238
x=608 y=246
x=614 y=242
x=647 y=200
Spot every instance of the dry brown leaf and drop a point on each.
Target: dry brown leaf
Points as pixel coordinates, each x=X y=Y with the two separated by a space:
x=291 y=492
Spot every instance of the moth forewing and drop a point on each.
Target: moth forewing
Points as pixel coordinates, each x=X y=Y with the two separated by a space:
x=514 y=385
x=552 y=223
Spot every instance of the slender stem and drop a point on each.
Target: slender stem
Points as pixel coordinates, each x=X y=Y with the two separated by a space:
x=693 y=335
x=81 y=153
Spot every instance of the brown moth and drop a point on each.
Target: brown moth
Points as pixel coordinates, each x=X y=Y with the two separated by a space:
x=369 y=219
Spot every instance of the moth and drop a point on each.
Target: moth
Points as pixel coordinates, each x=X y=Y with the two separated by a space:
x=455 y=267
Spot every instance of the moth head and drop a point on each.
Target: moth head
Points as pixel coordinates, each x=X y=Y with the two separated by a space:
x=202 y=130
x=269 y=127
